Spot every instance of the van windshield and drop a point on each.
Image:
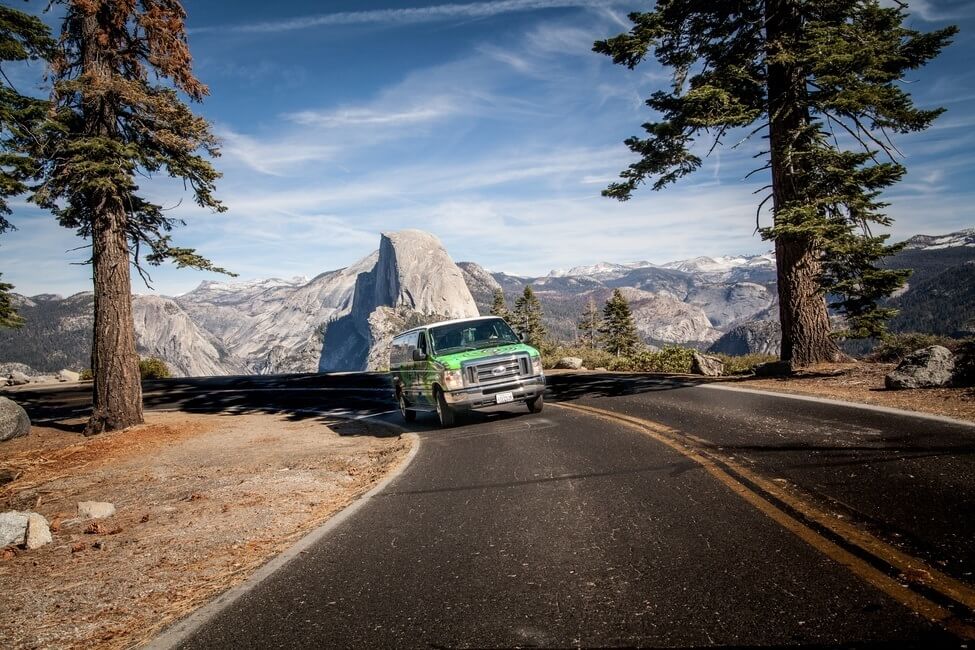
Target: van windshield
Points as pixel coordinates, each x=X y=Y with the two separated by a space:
x=471 y=335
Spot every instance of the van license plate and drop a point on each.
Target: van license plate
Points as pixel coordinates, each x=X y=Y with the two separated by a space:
x=504 y=398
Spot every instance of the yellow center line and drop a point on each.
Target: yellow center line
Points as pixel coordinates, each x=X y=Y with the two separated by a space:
x=912 y=568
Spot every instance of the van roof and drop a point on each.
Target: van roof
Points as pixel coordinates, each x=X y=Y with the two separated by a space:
x=446 y=322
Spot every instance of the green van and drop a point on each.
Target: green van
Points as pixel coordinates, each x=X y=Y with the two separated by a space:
x=464 y=364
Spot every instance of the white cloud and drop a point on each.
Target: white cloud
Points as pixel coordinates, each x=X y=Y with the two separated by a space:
x=407 y=16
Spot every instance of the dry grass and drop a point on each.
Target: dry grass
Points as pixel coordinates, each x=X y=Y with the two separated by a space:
x=864 y=383
x=202 y=502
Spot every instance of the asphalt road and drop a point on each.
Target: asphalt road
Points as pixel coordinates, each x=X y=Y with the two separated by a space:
x=570 y=529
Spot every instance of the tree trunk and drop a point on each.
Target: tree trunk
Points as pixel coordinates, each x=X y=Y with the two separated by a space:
x=117 y=390
x=805 y=322
x=117 y=399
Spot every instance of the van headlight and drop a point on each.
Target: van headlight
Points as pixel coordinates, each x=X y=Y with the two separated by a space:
x=453 y=379
x=536 y=365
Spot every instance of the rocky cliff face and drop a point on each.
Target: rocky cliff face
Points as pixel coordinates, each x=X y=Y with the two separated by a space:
x=413 y=280
x=756 y=337
x=165 y=331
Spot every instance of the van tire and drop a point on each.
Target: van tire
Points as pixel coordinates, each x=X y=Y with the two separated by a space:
x=444 y=413
x=408 y=415
x=536 y=405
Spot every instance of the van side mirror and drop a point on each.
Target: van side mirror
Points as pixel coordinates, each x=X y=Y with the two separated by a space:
x=418 y=355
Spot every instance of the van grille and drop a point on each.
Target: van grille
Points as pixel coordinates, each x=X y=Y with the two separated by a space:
x=498 y=370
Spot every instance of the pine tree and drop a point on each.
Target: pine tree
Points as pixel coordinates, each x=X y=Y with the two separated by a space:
x=117 y=115
x=822 y=80
x=527 y=318
x=498 y=306
x=618 y=329
x=589 y=325
x=22 y=38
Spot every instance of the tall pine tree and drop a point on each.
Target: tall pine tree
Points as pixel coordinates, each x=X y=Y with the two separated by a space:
x=118 y=115
x=822 y=80
x=618 y=329
x=22 y=38
x=589 y=324
x=498 y=305
x=527 y=318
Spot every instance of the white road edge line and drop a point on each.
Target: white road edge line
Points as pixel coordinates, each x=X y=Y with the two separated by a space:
x=183 y=629
x=836 y=402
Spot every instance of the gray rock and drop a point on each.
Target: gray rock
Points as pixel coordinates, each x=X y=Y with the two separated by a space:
x=13 y=527
x=17 y=378
x=706 y=365
x=14 y=422
x=928 y=367
x=569 y=363
x=773 y=369
x=8 y=475
x=68 y=376
x=38 y=532
x=95 y=509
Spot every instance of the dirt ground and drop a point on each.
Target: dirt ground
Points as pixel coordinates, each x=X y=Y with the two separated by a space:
x=202 y=501
x=864 y=382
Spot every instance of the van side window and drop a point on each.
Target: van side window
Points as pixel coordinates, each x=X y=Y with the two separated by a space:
x=402 y=349
x=410 y=345
x=422 y=342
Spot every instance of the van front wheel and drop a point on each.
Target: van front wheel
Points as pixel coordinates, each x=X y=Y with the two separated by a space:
x=536 y=405
x=444 y=413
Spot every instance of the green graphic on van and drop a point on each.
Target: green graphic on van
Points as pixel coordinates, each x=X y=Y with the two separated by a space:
x=464 y=364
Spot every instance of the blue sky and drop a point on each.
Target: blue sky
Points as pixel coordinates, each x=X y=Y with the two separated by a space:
x=490 y=124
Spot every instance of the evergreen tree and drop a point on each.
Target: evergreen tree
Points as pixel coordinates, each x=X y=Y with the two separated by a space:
x=499 y=307
x=118 y=115
x=22 y=38
x=618 y=329
x=589 y=325
x=527 y=318
x=823 y=81
x=8 y=315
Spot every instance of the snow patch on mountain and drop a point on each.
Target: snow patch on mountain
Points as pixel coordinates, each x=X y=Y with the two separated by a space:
x=937 y=242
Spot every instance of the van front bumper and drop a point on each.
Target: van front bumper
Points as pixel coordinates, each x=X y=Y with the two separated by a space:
x=478 y=397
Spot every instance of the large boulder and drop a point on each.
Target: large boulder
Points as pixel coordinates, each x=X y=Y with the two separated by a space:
x=702 y=364
x=928 y=367
x=17 y=378
x=569 y=363
x=13 y=527
x=14 y=422
x=68 y=376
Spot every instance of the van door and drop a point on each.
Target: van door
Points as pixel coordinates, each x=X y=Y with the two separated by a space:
x=408 y=372
x=424 y=373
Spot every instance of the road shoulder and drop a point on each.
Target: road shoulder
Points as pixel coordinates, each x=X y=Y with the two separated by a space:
x=203 y=502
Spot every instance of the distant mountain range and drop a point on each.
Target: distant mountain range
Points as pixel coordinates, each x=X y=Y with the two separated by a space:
x=343 y=319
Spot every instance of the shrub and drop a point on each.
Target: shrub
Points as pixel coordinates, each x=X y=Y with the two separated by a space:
x=85 y=375
x=897 y=346
x=153 y=368
x=551 y=354
x=965 y=364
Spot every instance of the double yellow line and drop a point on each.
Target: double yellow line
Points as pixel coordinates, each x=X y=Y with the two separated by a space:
x=943 y=593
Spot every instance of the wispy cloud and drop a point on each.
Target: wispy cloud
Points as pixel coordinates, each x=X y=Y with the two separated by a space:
x=433 y=109
x=407 y=16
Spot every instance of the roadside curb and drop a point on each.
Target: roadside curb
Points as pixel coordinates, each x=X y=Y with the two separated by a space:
x=836 y=402
x=182 y=630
